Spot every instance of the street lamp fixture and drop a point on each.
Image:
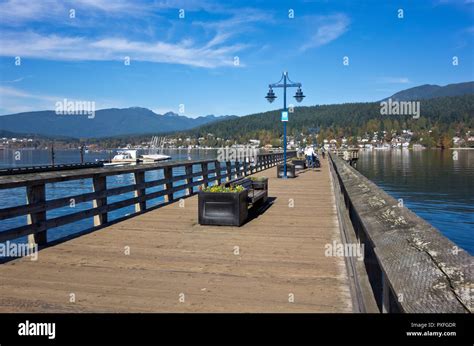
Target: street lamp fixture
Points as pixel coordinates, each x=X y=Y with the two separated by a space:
x=287 y=83
x=270 y=96
x=299 y=95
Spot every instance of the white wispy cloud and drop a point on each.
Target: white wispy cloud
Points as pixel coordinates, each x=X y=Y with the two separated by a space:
x=110 y=5
x=22 y=11
x=14 y=92
x=19 y=11
x=213 y=49
x=394 y=80
x=15 y=100
x=55 y=47
x=454 y=2
x=326 y=29
x=16 y=80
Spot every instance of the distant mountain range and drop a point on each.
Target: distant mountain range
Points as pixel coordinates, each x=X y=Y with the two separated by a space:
x=137 y=121
x=429 y=91
x=105 y=123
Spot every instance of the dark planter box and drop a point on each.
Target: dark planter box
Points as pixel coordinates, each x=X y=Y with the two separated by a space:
x=260 y=184
x=290 y=171
x=299 y=163
x=222 y=208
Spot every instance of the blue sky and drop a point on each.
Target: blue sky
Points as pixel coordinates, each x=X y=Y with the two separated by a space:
x=191 y=61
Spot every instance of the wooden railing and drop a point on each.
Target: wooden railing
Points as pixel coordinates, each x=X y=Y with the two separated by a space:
x=197 y=173
x=49 y=168
x=410 y=265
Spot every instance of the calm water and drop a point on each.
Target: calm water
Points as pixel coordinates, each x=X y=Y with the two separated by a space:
x=13 y=197
x=432 y=183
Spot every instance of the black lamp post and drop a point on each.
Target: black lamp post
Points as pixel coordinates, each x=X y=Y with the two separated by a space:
x=287 y=83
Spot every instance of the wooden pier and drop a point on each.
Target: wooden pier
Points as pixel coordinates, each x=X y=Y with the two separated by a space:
x=159 y=259
x=164 y=261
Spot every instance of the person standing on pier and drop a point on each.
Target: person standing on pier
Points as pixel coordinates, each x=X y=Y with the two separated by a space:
x=309 y=153
x=316 y=161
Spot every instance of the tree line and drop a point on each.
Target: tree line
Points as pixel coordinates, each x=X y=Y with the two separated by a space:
x=440 y=120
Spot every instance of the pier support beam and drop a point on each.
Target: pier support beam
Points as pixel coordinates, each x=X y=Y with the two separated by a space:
x=237 y=169
x=139 y=192
x=218 y=172
x=228 y=170
x=168 y=174
x=100 y=184
x=205 y=174
x=188 y=169
x=36 y=194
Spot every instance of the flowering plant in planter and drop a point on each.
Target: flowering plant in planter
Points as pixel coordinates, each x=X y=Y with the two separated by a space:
x=223 y=188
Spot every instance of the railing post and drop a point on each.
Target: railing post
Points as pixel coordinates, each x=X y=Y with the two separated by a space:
x=217 y=164
x=36 y=194
x=237 y=169
x=140 y=192
x=189 y=171
x=205 y=174
x=100 y=185
x=228 y=166
x=168 y=174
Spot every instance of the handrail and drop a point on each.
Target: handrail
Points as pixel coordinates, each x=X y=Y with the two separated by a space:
x=49 y=168
x=411 y=266
x=197 y=173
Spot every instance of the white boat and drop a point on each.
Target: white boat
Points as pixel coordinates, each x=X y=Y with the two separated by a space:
x=156 y=143
x=123 y=156
x=155 y=157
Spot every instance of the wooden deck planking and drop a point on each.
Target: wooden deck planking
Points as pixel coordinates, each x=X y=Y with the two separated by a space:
x=281 y=253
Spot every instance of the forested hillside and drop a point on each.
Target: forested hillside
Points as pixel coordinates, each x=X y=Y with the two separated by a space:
x=444 y=116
